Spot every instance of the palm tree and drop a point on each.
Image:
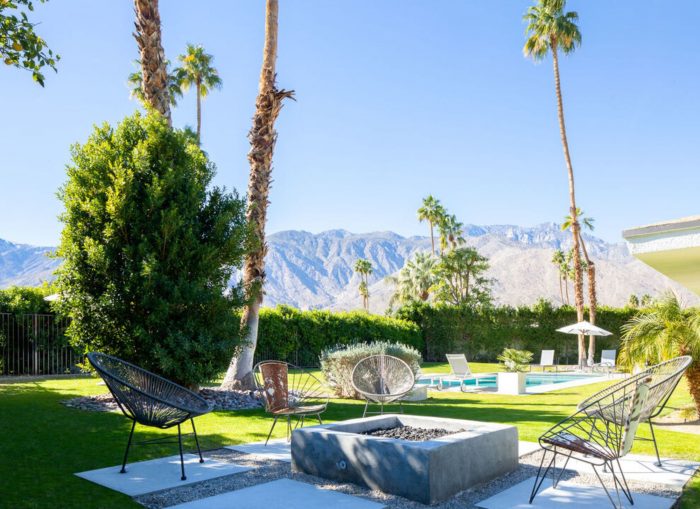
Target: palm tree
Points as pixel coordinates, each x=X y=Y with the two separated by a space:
x=153 y=63
x=451 y=232
x=262 y=138
x=135 y=80
x=661 y=332
x=558 y=260
x=587 y=222
x=364 y=269
x=431 y=211
x=415 y=281
x=197 y=72
x=550 y=29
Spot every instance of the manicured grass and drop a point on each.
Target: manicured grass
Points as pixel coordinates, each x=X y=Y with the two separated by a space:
x=42 y=443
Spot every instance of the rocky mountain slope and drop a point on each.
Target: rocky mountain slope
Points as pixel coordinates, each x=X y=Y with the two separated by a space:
x=314 y=271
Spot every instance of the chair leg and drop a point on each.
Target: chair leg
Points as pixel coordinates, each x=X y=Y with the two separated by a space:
x=128 y=445
x=364 y=414
x=623 y=485
x=272 y=428
x=600 y=479
x=289 y=427
x=401 y=406
x=182 y=459
x=656 y=448
x=196 y=440
x=541 y=476
x=561 y=472
x=318 y=416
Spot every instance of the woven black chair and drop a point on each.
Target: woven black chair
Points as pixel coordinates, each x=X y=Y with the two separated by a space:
x=597 y=441
x=664 y=378
x=382 y=379
x=150 y=400
x=290 y=391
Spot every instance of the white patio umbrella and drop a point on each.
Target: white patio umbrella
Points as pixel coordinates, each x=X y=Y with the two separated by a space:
x=585 y=328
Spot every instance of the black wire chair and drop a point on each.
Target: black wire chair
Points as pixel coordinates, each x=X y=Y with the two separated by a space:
x=289 y=391
x=664 y=378
x=595 y=440
x=382 y=379
x=150 y=400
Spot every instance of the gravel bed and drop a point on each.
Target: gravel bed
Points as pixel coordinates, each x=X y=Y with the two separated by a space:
x=269 y=470
x=219 y=399
x=410 y=433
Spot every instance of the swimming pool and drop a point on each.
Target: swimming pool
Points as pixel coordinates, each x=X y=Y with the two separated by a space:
x=489 y=381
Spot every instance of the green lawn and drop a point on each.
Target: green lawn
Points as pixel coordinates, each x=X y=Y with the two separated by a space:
x=42 y=443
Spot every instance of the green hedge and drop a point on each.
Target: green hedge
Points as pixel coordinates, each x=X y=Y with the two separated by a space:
x=20 y=300
x=300 y=336
x=482 y=334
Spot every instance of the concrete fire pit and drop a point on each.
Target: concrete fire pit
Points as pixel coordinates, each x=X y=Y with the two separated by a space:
x=428 y=472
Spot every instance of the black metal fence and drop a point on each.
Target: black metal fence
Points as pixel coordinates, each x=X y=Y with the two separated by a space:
x=35 y=344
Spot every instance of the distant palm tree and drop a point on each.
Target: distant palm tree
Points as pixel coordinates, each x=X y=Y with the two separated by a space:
x=431 y=211
x=262 y=138
x=415 y=281
x=451 y=232
x=550 y=29
x=196 y=71
x=153 y=63
x=558 y=260
x=661 y=332
x=586 y=222
x=364 y=269
x=135 y=80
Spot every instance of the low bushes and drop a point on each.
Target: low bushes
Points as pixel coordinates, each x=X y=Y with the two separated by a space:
x=300 y=336
x=338 y=362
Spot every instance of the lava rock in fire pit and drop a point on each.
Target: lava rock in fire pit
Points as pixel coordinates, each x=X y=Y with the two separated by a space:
x=411 y=433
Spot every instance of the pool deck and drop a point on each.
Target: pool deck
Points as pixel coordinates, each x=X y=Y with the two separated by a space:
x=585 y=379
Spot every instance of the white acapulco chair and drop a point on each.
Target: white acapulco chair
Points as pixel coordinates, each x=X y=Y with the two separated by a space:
x=382 y=379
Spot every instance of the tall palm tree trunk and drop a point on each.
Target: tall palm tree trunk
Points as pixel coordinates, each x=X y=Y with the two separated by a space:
x=199 y=112
x=561 y=288
x=153 y=64
x=693 y=377
x=432 y=236
x=592 y=300
x=578 y=280
x=262 y=138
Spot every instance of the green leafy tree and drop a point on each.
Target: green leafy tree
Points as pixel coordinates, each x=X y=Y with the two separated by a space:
x=461 y=278
x=196 y=71
x=551 y=30
x=661 y=332
x=20 y=45
x=136 y=84
x=433 y=212
x=364 y=269
x=149 y=247
x=633 y=301
x=415 y=281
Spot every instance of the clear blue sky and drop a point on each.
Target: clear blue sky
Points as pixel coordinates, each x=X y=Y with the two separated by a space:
x=396 y=99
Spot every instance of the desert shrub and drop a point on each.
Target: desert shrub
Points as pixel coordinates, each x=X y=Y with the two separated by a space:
x=149 y=247
x=338 y=362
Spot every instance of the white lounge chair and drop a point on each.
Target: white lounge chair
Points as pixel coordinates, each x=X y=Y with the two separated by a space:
x=459 y=371
x=546 y=360
x=608 y=361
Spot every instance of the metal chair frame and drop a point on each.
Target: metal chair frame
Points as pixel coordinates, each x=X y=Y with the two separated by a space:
x=378 y=363
x=595 y=440
x=305 y=387
x=665 y=378
x=164 y=406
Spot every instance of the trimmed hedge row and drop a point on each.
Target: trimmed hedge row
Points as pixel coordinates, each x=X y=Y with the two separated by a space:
x=299 y=336
x=21 y=300
x=482 y=334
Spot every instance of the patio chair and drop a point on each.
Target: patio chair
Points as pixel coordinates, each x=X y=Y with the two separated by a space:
x=664 y=379
x=459 y=371
x=150 y=400
x=382 y=379
x=590 y=438
x=289 y=391
x=546 y=360
x=607 y=361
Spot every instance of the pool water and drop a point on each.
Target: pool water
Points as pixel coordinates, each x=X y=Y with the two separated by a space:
x=489 y=381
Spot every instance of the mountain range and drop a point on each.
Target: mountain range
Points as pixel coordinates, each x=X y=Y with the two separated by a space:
x=315 y=271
